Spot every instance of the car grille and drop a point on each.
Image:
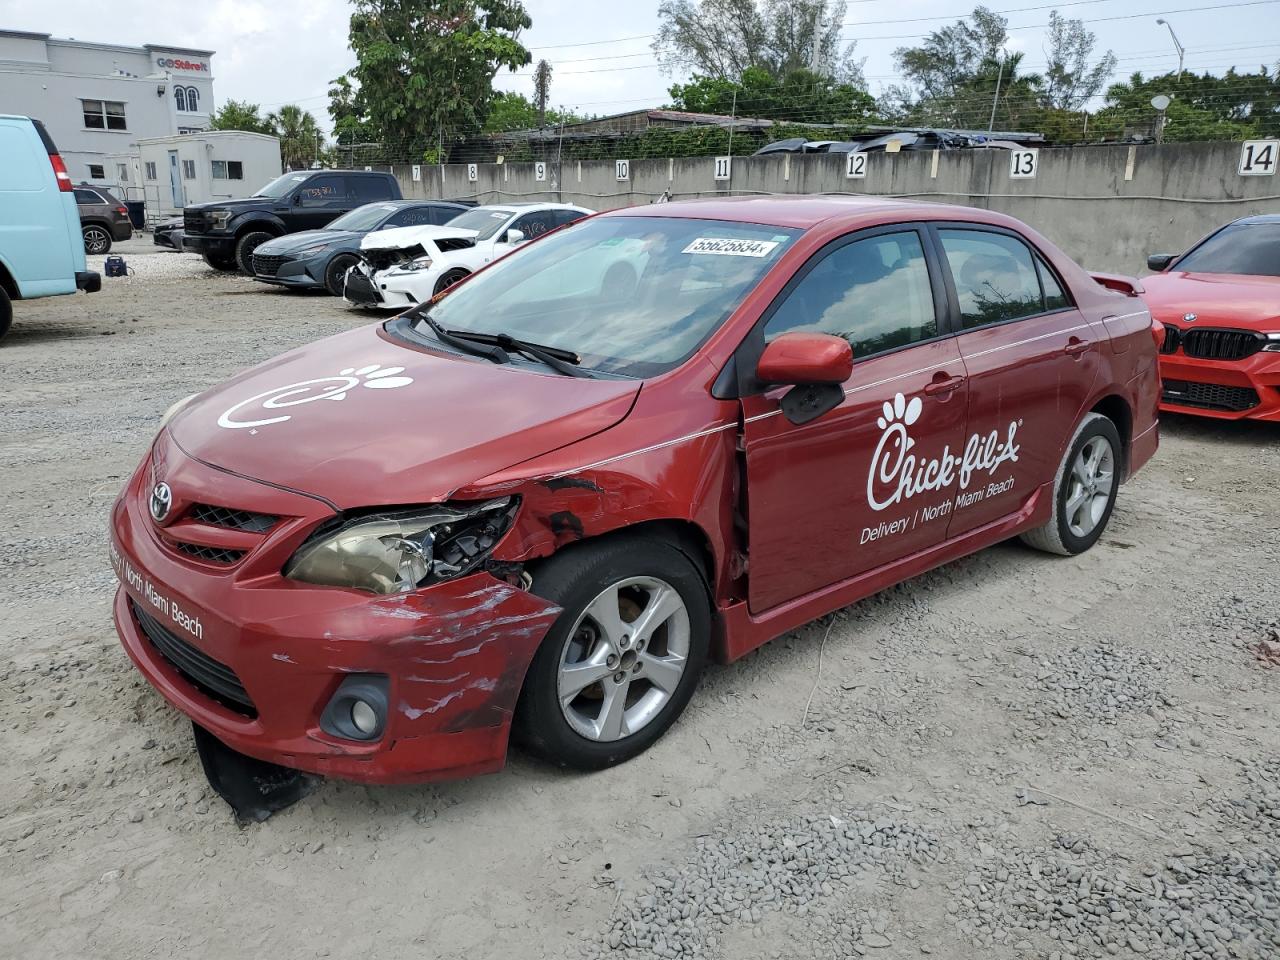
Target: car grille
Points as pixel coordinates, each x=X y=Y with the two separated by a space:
x=214 y=679
x=265 y=266
x=1172 y=336
x=232 y=519
x=193 y=222
x=218 y=555
x=1220 y=344
x=1211 y=396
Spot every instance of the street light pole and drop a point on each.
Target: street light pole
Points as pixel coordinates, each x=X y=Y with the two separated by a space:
x=996 y=99
x=1181 y=49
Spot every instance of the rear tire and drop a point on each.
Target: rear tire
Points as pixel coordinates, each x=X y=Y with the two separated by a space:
x=335 y=273
x=1084 y=493
x=448 y=279
x=6 y=312
x=246 y=245
x=97 y=240
x=567 y=720
x=224 y=262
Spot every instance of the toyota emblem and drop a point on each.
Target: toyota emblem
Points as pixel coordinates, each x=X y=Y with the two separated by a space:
x=161 y=501
x=1189 y=317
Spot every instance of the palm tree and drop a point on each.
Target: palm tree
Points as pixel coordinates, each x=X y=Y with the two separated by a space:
x=300 y=138
x=542 y=91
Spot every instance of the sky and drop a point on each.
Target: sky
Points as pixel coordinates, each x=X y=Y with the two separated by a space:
x=273 y=52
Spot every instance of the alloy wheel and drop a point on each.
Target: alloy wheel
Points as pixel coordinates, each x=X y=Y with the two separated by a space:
x=1089 y=486
x=96 y=240
x=624 y=659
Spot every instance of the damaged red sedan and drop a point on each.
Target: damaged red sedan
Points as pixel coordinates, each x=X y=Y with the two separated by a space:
x=538 y=505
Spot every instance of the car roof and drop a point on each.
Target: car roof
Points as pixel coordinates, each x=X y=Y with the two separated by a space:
x=1260 y=218
x=803 y=211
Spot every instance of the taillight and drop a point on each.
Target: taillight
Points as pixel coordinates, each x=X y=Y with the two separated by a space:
x=1157 y=332
x=123 y=211
x=60 y=171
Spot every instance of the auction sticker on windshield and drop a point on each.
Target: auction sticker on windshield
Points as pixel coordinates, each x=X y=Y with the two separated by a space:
x=732 y=248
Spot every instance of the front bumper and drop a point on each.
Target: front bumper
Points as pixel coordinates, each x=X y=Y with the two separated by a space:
x=283 y=271
x=1225 y=389
x=455 y=653
x=204 y=243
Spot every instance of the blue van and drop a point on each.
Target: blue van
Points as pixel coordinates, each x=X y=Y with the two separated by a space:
x=41 y=250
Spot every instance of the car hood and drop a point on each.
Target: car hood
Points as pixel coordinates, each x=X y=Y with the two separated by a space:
x=239 y=205
x=362 y=420
x=1217 y=299
x=399 y=238
x=292 y=242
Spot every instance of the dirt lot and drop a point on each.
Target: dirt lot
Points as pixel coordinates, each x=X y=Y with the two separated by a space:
x=1013 y=756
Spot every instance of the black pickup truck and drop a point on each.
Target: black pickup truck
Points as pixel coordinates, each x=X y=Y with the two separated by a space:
x=226 y=232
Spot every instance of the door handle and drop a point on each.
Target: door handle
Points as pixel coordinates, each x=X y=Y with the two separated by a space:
x=935 y=387
x=1075 y=347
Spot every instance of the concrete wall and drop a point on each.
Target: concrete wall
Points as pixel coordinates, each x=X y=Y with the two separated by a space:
x=1108 y=207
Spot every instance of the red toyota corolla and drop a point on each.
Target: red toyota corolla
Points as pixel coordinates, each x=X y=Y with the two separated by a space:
x=663 y=434
x=1220 y=306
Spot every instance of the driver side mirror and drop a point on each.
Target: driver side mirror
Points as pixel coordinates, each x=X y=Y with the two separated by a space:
x=815 y=364
x=515 y=236
x=1160 y=261
x=297 y=199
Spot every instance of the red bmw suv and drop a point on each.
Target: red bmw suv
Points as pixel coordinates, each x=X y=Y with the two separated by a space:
x=541 y=502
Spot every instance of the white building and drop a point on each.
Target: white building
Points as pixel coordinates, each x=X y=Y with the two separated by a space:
x=169 y=173
x=98 y=100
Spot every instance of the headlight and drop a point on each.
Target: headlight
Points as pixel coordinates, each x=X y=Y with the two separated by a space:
x=220 y=218
x=421 y=263
x=1273 y=342
x=312 y=250
x=398 y=551
x=174 y=408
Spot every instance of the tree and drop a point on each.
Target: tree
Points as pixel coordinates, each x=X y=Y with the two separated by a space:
x=801 y=96
x=1235 y=106
x=514 y=111
x=301 y=142
x=1069 y=81
x=952 y=55
x=239 y=115
x=721 y=39
x=425 y=68
x=541 y=90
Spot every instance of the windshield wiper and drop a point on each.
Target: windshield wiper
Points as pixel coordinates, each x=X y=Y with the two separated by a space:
x=557 y=358
x=496 y=354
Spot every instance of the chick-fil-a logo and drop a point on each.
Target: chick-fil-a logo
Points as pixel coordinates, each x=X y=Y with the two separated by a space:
x=895 y=468
x=373 y=376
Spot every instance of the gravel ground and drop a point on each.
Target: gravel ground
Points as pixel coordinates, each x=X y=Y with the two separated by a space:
x=1012 y=756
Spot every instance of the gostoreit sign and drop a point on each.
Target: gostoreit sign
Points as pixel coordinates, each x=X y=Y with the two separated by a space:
x=171 y=63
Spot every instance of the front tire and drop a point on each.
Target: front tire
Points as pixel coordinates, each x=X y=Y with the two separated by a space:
x=6 y=312
x=1084 y=493
x=448 y=279
x=246 y=245
x=621 y=662
x=97 y=240
x=223 y=262
x=335 y=274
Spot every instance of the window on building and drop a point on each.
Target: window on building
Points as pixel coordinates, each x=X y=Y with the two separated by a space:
x=103 y=115
x=122 y=172
x=151 y=170
x=193 y=99
x=188 y=169
x=180 y=97
x=227 y=170
x=96 y=172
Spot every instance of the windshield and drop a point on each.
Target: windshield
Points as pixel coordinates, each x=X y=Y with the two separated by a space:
x=281 y=186
x=363 y=218
x=486 y=220
x=631 y=295
x=1252 y=249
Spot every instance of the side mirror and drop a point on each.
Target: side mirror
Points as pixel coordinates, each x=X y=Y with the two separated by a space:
x=297 y=199
x=515 y=236
x=1159 y=262
x=816 y=364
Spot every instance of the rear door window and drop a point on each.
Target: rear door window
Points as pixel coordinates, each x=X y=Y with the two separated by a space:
x=1055 y=298
x=994 y=275
x=371 y=188
x=87 y=196
x=412 y=217
x=875 y=293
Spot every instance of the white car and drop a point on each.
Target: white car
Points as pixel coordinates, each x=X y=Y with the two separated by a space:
x=404 y=266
